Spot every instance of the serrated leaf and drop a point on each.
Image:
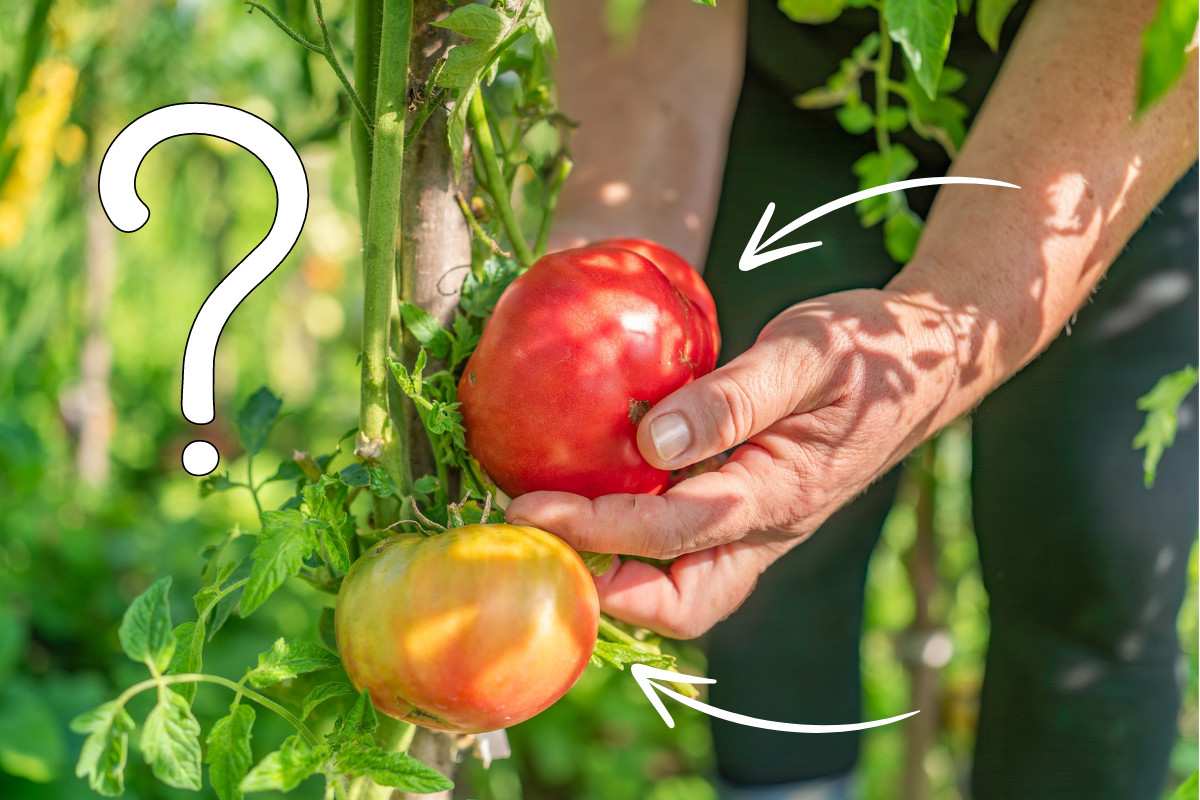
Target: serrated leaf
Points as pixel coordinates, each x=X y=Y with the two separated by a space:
x=466 y=337
x=288 y=659
x=287 y=538
x=325 y=500
x=812 y=12
x=1164 y=48
x=255 y=419
x=989 y=19
x=426 y=329
x=444 y=418
x=284 y=769
x=357 y=727
x=188 y=656
x=356 y=475
x=228 y=600
x=145 y=631
x=337 y=544
x=381 y=483
x=1161 y=405
x=426 y=484
x=615 y=654
x=922 y=28
x=170 y=742
x=398 y=770
x=228 y=756
x=479 y=296
x=326 y=691
x=106 y=748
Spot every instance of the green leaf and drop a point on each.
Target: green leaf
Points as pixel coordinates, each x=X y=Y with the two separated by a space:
x=462 y=344
x=337 y=544
x=188 y=656
x=102 y=759
x=426 y=484
x=410 y=382
x=1161 y=405
x=228 y=756
x=170 y=742
x=444 y=418
x=900 y=235
x=812 y=11
x=282 y=770
x=31 y=744
x=1189 y=789
x=325 y=500
x=989 y=19
x=465 y=64
x=287 y=538
x=942 y=119
x=145 y=631
x=288 y=470
x=356 y=475
x=615 y=654
x=856 y=117
x=398 y=770
x=325 y=691
x=951 y=81
x=479 y=296
x=381 y=483
x=597 y=563
x=357 y=727
x=288 y=659
x=1164 y=48
x=217 y=483
x=256 y=418
x=876 y=169
x=922 y=28
x=539 y=24
x=426 y=329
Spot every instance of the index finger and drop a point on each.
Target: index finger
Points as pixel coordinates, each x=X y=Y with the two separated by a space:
x=701 y=512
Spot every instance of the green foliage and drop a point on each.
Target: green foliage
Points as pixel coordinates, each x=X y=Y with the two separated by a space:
x=1164 y=48
x=228 y=755
x=922 y=28
x=1189 y=789
x=1161 y=405
x=145 y=630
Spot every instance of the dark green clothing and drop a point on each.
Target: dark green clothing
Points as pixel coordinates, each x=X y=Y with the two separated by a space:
x=1085 y=568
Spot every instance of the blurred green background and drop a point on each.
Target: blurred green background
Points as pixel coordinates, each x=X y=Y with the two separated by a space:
x=94 y=505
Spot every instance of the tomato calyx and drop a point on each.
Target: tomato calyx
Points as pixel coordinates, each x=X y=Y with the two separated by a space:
x=637 y=410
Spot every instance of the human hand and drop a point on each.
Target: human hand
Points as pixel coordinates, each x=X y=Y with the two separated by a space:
x=835 y=391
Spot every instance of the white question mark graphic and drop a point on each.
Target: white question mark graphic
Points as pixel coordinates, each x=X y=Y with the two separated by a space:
x=127 y=212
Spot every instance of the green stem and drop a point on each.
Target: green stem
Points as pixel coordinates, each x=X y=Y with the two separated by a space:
x=250 y=485
x=495 y=184
x=611 y=631
x=480 y=233
x=239 y=689
x=883 y=70
x=331 y=56
x=377 y=439
x=561 y=171
x=283 y=26
x=368 y=21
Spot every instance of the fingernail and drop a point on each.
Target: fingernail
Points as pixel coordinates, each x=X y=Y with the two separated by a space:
x=671 y=436
x=519 y=522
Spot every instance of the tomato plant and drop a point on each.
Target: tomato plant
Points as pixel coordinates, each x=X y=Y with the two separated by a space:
x=577 y=350
x=470 y=630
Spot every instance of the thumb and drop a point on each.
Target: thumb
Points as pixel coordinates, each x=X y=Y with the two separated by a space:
x=724 y=408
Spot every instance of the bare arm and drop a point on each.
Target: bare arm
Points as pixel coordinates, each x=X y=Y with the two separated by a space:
x=839 y=388
x=654 y=121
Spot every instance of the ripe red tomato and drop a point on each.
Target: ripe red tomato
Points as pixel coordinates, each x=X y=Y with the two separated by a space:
x=471 y=630
x=686 y=280
x=576 y=351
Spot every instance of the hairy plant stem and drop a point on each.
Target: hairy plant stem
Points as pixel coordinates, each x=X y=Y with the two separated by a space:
x=162 y=681
x=561 y=170
x=368 y=21
x=495 y=184
x=378 y=440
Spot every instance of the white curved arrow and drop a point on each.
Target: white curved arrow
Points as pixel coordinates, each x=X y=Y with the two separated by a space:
x=643 y=675
x=751 y=257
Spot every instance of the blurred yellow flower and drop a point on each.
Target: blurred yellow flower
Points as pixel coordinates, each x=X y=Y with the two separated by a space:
x=38 y=133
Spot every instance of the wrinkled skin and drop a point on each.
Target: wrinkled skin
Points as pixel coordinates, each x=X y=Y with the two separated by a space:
x=686 y=280
x=577 y=349
x=471 y=630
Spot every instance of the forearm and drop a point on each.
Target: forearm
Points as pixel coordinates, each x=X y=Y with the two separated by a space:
x=1001 y=270
x=653 y=121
